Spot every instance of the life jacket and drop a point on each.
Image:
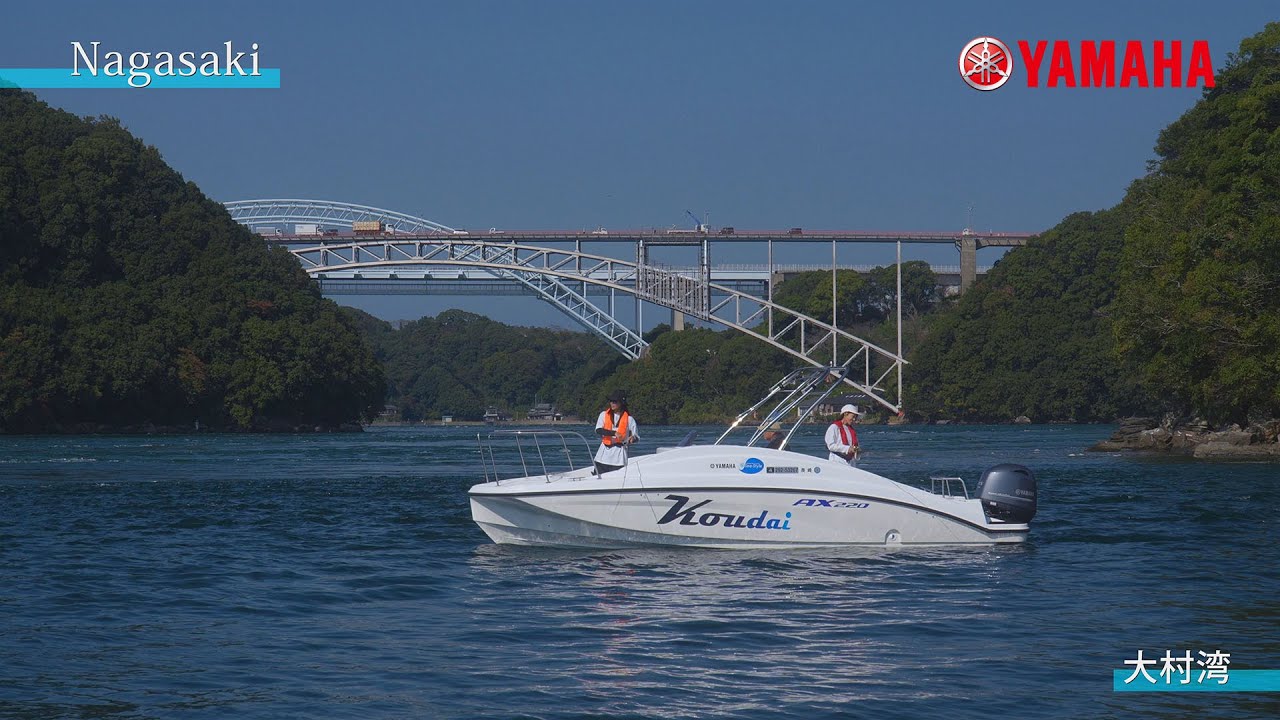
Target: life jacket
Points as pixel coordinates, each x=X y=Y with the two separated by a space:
x=623 y=422
x=848 y=435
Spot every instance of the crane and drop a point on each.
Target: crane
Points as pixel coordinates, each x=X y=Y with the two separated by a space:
x=698 y=225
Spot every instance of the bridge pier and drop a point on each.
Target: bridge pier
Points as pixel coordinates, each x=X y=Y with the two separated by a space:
x=677 y=320
x=968 y=261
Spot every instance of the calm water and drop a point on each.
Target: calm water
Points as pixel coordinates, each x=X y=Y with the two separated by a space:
x=341 y=576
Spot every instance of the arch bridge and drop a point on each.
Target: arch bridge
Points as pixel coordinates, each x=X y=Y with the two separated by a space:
x=329 y=237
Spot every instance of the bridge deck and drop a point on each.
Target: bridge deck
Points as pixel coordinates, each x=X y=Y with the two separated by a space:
x=668 y=237
x=756 y=274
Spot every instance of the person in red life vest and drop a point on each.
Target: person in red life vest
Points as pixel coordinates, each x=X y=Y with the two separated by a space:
x=842 y=439
x=617 y=431
x=774 y=437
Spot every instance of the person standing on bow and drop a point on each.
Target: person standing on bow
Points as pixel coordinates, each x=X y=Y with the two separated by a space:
x=842 y=439
x=617 y=430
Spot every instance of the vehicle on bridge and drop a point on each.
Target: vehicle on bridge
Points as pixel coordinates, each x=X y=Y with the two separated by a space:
x=699 y=226
x=368 y=227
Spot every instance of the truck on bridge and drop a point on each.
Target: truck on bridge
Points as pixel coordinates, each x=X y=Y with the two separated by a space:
x=368 y=227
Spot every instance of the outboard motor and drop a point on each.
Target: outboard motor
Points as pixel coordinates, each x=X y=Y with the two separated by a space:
x=1008 y=493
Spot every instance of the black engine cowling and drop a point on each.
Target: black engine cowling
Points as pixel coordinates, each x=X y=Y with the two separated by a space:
x=1008 y=493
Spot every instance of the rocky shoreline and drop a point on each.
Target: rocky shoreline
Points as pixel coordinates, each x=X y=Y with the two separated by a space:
x=1195 y=437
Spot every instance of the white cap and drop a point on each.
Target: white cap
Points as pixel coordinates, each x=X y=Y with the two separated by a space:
x=850 y=409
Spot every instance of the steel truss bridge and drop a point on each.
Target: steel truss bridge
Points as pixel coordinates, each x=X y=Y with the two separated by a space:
x=553 y=266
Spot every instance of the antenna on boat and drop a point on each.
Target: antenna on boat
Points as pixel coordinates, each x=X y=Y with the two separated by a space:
x=834 y=358
x=900 y=325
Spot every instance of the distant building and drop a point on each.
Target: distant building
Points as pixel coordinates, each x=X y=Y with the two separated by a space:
x=832 y=405
x=493 y=415
x=545 y=411
x=446 y=418
x=389 y=412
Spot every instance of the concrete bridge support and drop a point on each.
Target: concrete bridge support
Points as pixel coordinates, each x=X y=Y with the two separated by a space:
x=968 y=261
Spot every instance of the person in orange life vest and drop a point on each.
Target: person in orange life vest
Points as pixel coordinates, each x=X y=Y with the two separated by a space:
x=774 y=437
x=841 y=438
x=617 y=430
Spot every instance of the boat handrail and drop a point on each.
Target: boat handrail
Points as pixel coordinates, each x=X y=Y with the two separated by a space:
x=937 y=482
x=489 y=460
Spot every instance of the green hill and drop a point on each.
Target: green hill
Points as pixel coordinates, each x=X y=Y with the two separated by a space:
x=1167 y=303
x=1198 y=307
x=459 y=363
x=129 y=299
x=1032 y=337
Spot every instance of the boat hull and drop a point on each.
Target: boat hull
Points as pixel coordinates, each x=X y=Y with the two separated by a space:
x=721 y=498
x=742 y=522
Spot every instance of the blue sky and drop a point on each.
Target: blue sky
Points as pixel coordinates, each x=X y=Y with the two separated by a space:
x=578 y=114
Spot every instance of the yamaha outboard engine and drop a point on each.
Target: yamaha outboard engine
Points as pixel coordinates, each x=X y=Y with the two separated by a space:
x=1008 y=493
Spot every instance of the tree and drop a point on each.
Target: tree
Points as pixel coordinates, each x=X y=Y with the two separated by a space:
x=127 y=297
x=920 y=290
x=459 y=363
x=859 y=299
x=1032 y=337
x=1198 y=312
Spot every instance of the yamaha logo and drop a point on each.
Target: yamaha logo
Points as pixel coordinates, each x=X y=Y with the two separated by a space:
x=985 y=63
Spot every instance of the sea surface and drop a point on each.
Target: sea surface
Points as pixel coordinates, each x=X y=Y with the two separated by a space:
x=336 y=576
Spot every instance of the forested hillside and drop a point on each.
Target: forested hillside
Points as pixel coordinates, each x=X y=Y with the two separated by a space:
x=1198 y=307
x=458 y=363
x=1167 y=303
x=1033 y=337
x=129 y=300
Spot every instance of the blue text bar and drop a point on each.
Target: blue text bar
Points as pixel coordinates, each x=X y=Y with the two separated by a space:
x=1237 y=681
x=62 y=78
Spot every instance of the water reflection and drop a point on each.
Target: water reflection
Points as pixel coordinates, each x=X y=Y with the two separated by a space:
x=721 y=623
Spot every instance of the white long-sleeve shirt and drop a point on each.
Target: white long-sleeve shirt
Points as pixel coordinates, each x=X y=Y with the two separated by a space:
x=616 y=454
x=836 y=444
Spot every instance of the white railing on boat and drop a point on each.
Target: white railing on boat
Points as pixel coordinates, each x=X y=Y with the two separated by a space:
x=939 y=485
x=548 y=451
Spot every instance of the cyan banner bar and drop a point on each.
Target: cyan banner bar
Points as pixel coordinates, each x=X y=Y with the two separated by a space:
x=32 y=78
x=1237 y=681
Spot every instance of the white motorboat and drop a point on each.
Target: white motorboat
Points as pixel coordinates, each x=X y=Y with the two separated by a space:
x=739 y=496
